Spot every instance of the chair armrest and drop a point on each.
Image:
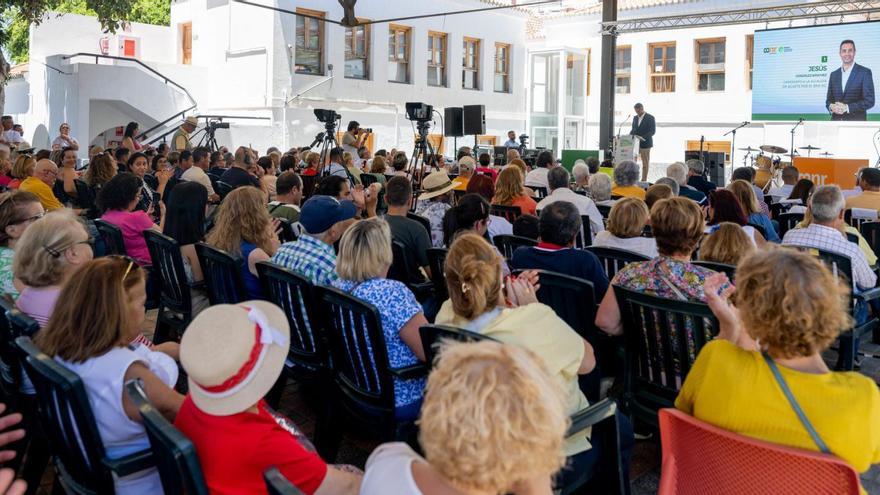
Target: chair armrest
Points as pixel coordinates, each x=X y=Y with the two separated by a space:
x=868 y=295
x=410 y=372
x=591 y=416
x=131 y=463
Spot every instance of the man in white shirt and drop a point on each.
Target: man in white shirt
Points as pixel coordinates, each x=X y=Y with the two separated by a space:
x=511 y=140
x=790 y=176
x=196 y=173
x=538 y=176
x=558 y=180
x=336 y=167
x=10 y=136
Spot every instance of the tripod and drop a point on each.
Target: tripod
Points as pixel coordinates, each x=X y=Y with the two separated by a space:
x=208 y=138
x=421 y=149
x=328 y=143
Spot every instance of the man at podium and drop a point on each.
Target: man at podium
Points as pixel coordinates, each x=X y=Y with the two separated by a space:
x=643 y=128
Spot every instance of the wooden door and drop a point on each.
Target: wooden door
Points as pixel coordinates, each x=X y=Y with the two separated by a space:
x=186 y=42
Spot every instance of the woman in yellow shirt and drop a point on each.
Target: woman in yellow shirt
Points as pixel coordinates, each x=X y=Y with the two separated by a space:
x=795 y=309
x=626 y=173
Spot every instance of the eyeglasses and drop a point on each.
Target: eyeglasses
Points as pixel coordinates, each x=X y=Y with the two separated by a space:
x=29 y=219
x=56 y=252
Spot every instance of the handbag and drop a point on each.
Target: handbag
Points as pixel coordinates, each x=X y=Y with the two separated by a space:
x=794 y=405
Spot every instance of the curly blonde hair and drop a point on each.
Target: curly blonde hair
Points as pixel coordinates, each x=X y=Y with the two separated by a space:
x=728 y=244
x=791 y=302
x=492 y=417
x=242 y=216
x=473 y=276
x=509 y=186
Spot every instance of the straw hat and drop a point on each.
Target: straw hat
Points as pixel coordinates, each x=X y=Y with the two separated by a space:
x=436 y=184
x=191 y=121
x=233 y=355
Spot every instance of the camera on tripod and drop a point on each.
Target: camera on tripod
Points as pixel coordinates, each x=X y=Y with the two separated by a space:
x=327 y=116
x=420 y=112
x=213 y=125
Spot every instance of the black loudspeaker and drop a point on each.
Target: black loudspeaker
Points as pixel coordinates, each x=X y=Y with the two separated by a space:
x=453 y=122
x=714 y=164
x=474 y=119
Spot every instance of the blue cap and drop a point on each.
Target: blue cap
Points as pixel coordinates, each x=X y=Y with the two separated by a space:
x=319 y=213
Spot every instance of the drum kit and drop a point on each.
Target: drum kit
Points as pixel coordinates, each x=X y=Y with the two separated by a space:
x=768 y=160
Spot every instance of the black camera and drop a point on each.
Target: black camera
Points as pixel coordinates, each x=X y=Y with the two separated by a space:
x=419 y=111
x=367 y=130
x=216 y=124
x=326 y=116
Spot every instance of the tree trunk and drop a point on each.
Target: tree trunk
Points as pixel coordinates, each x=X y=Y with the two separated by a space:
x=4 y=74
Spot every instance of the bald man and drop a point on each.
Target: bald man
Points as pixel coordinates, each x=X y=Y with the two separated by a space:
x=45 y=173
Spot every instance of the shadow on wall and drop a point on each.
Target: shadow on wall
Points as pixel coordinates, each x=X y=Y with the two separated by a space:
x=41 y=139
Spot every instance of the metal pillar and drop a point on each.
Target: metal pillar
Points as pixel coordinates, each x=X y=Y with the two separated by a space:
x=606 y=95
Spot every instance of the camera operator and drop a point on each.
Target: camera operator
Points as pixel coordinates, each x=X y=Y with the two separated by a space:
x=354 y=138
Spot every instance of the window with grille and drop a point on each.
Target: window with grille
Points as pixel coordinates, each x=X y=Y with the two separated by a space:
x=309 y=50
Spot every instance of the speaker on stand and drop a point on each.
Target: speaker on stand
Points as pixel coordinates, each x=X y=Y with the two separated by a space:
x=453 y=125
x=714 y=163
x=474 y=121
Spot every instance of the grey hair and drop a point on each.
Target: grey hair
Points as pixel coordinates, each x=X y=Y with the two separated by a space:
x=678 y=172
x=600 y=187
x=626 y=173
x=696 y=166
x=827 y=203
x=558 y=178
x=671 y=183
x=580 y=170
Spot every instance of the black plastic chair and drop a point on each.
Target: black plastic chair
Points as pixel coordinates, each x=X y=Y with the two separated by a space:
x=540 y=192
x=437 y=263
x=422 y=220
x=614 y=259
x=223 y=189
x=405 y=269
x=841 y=266
x=81 y=463
x=432 y=335
x=222 y=273
x=507 y=244
x=871 y=232
x=364 y=387
x=856 y=221
x=788 y=221
x=112 y=236
x=657 y=362
x=509 y=213
x=277 y=484
x=175 y=300
x=730 y=270
x=368 y=179
x=607 y=476
x=10 y=358
x=174 y=454
x=605 y=210
x=287 y=234
x=585 y=236
x=573 y=300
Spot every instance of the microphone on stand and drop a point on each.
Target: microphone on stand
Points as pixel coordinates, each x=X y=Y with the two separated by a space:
x=621 y=124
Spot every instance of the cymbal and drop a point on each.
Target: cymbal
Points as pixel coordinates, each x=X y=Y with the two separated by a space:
x=749 y=148
x=809 y=147
x=777 y=150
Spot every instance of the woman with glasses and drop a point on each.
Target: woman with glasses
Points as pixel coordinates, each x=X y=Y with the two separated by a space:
x=49 y=252
x=99 y=312
x=18 y=210
x=64 y=140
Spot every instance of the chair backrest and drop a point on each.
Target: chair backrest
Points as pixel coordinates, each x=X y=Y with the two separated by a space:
x=112 y=236
x=540 y=191
x=701 y=458
x=277 y=484
x=422 y=220
x=777 y=209
x=573 y=299
x=367 y=179
x=223 y=188
x=507 y=244
x=662 y=338
x=13 y=324
x=309 y=183
x=788 y=221
x=730 y=270
x=605 y=210
x=295 y=295
x=403 y=267
x=437 y=263
x=509 y=213
x=871 y=232
x=174 y=454
x=839 y=264
x=357 y=347
x=759 y=229
x=855 y=217
x=222 y=272
x=432 y=335
x=585 y=236
x=168 y=264
x=614 y=259
x=68 y=422
x=287 y=234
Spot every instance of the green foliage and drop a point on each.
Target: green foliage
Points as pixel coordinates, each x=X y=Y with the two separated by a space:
x=16 y=16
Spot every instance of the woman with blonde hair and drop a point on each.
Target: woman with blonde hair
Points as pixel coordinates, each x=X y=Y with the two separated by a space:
x=244 y=228
x=786 y=310
x=312 y=162
x=728 y=244
x=353 y=171
x=509 y=191
x=626 y=222
x=18 y=211
x=746 y=195
x=99 y=312
x=21 y=170
x=524 y=170
x=50 y=251
x=362 y=265
x=484 y=401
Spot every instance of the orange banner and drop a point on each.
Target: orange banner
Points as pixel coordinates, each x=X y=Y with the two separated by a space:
x=824 y=171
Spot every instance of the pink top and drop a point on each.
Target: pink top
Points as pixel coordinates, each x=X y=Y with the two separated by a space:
x=5 y=180
x=133 y=224
x=38 y=302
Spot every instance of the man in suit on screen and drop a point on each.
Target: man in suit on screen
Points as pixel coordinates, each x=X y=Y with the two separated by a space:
x=850 y=88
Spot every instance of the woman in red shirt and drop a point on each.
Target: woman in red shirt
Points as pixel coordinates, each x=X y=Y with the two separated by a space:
x=509 y=191
x=233 y=356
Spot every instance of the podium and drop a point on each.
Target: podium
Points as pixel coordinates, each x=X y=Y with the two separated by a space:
x=625 y=148
x=824 y=171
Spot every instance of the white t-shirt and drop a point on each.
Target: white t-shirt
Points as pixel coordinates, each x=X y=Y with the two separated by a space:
x=646 y=246
x=12 y=136
x=389 y=470
x=585 y=206
x=537 y=178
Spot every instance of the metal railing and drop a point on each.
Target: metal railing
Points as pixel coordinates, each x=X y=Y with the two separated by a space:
x=220 y=117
